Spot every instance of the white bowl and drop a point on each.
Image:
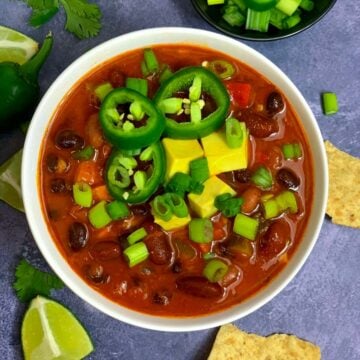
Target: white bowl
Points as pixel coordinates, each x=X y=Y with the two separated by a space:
x=146 y=38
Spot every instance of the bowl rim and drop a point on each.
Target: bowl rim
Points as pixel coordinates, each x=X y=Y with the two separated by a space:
x=259 y=38
x=34 y=211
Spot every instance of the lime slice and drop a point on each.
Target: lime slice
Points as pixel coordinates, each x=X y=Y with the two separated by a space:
x=50 y=331
x=16 y=47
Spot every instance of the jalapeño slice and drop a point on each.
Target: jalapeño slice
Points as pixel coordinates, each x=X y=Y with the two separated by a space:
x=195 y=81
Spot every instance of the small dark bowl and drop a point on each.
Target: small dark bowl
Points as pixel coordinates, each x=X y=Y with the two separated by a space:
x=213 y=16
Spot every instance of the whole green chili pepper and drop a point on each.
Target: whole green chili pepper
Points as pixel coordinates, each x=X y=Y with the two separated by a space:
x=19 y=88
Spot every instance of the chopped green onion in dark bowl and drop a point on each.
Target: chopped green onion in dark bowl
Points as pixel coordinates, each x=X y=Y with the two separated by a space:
x=230 y=17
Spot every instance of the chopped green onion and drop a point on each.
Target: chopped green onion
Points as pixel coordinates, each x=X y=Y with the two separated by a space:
x=144 y=70
x=291 y=151
x=222 y=68
x=140 y=179
x=235 y=132
x=260 y=5
x=135 y=254
x=146 y=154
x=84 y=154
x=82 y=194
x=171 y=105
x=234 y=18
x=180 y=183
x=195 y=89
x=98 y=215
x=199 y=170
x=291 y=21
x=288 y=6
x=195 y=112
x=330 y=103
x=201 y=230
x=166 y=73
x=136 y=236
x=246 y=226
x=136 y=110
x=215 y=2
x=161 y=208
x=102 y=90
x=177 y=205
x=137 y=84
x=262 y=177
x=257 y=20
x=119 y=176
x=196 y=187
x=209 y=255
x=228 y=205
x=151 y=61
x=307 y=5
x=280 y=203
x=117 y=210
x=215 y=270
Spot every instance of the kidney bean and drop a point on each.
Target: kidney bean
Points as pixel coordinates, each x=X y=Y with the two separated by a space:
x=105 y=250
x=275 y=239
x=58 y=185
x=288 y=179
x=68 y=139
x=261 y=127
x=159 y=248
x=198 y=286
x=242 y=176
x=251 y=198
x=78 y=236
x=274 y=103
x=162 y=297
x=95 y=272
x=117 y=78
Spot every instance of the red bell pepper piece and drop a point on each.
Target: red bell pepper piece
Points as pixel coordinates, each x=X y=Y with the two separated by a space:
x=240 y=92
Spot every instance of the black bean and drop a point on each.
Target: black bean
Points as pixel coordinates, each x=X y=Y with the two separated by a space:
x=95 y=272
x=274 y=103
x=56 y=164
x=288 y=179
x=142 y=209
x=242 y=176
x=78 y=236
x=162 y=297
x=68 y=139
x=58 y=185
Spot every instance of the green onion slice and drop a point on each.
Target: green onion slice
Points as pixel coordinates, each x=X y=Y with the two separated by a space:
x=199 y=170
x=262 y=177
x=246 y=226
x=137 y=84
x=235 y=132
x=102 y=90
x=330 y=103
x=215 y=270
x=161 y=208
x=84 y=154
x=177 y=205
x=117 y=210
x=201 y=230
x=82 y=194
x=98 y=215
x=135 y=254
x=136 y=236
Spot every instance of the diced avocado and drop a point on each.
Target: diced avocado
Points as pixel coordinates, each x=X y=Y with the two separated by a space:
x=179 y=153
x=203 y=204
x=174 y=223
x=220 y=157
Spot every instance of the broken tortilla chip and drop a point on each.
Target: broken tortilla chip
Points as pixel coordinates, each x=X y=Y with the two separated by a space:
x=234 y=344
x=344 y=187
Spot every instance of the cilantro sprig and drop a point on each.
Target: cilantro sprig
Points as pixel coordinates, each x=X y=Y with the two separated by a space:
x=31 y=282
x=83 y=19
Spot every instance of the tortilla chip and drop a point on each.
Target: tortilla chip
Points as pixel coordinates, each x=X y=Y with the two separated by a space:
x=234 y=344
x=344 y=187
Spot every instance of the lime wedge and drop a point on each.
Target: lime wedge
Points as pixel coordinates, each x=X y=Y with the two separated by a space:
x=16 y=47
x=50 y=331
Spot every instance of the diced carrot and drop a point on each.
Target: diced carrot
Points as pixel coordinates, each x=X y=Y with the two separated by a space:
x=88 y=172
x=101 y=193
x=204 y=248
x=93 y=131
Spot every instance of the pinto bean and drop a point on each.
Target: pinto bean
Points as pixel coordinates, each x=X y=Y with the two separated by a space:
x=288 y=179
x=274 y=103
x=105 y=250
x=68 y=139
x=198 y=286
x=261 y=127
x=159 y=248
x=251 y=198
x=78 y=236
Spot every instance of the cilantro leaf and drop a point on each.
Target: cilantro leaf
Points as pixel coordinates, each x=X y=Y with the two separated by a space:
x=82 y=18
x=43 y=11
x=31 y=282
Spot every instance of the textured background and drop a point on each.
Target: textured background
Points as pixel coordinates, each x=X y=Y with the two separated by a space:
x=322 y=303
